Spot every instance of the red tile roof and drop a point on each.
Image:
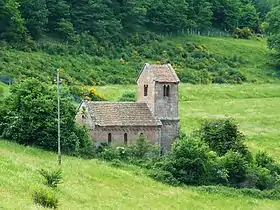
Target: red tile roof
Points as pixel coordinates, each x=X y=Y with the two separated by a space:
x=121 y=114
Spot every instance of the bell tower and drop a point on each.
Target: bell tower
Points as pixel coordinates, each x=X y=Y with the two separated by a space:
x=158 y=87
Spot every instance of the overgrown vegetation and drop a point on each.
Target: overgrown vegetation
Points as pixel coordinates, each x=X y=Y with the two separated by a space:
x=45 y=198
x=274 y=34
x=29 y=117
x=216 y=155
x=127 y=35
x=51 y=178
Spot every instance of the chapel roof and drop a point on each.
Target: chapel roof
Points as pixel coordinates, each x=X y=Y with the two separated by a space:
x=161 y=73
x=121 y=114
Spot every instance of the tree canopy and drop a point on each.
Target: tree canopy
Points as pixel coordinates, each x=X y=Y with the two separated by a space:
x=108 y=20
x=29 y=117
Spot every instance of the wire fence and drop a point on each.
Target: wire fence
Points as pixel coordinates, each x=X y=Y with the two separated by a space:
x=195 y=32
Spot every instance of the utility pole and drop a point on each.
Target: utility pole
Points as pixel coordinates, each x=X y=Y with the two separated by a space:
x=58 y=117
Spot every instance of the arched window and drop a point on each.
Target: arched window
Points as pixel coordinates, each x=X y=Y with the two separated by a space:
x=109 y=138
x=145 y=90
x=125 y=138
x=167 y=90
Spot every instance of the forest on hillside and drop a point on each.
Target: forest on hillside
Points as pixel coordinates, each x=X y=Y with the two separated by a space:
x=117 y=20
x=90 y=38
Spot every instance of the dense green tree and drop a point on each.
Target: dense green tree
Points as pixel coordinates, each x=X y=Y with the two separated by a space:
x=226 y=13
x=12 y=25
x=200 y=13
x=30 y=118
x=273 y=29
x=59 y=19
x=236 y=166
x=249 y=17
x=97 y=17
x=132 y=14
x=264 y=6
x=168 y=16
x=222 y=136
x=35 y=13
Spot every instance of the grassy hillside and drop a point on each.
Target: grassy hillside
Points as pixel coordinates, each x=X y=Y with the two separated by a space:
x=255 y=107
x=255 y=52
x=90 y=184
x=190 y=54
x=5 y=88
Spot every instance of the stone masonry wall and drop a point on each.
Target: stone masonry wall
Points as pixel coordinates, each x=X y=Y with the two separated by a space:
x=169 y=133
x=145 y=79
x=84 y=118
x=166 y=107
x=100 y=134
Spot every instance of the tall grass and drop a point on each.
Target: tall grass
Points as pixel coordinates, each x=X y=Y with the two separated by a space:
x=90 y=184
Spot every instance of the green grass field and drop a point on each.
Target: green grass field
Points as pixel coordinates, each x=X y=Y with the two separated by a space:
x=90 y=184
x=5 y=89
x=255 y=52
x=255 y=107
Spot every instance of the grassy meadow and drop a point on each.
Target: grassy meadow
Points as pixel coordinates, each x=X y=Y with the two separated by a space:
x=5 y=89
x=254 y=51
x=91 y=184
x=255 y=107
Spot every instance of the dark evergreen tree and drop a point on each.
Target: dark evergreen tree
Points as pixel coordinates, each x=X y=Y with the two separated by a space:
x=168 y=15
x=35 y=13
x=249 y=17
x=132 y=14
x=12 y=25
x=59 y=19
x=226 y=13
x=97 y=17
x=200 y=13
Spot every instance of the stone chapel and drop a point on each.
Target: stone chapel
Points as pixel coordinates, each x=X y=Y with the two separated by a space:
x=154 y=116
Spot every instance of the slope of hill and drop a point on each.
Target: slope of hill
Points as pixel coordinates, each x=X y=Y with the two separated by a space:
x=188 y=54
x=90 y=184
x=255 y=52
x=253 y=106
x=5 y=88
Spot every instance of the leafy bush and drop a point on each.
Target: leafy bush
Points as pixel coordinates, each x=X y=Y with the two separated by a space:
x=265 y=161
x=108 y=154
x=189 y=161
x=164 y=177
x=143 y=149
x=223 y=135
x=30 y=118
x=45 y=198
x=260 y=178
x=236 y=166
x=51 y=178
x=243 y=33
x=138 y=153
